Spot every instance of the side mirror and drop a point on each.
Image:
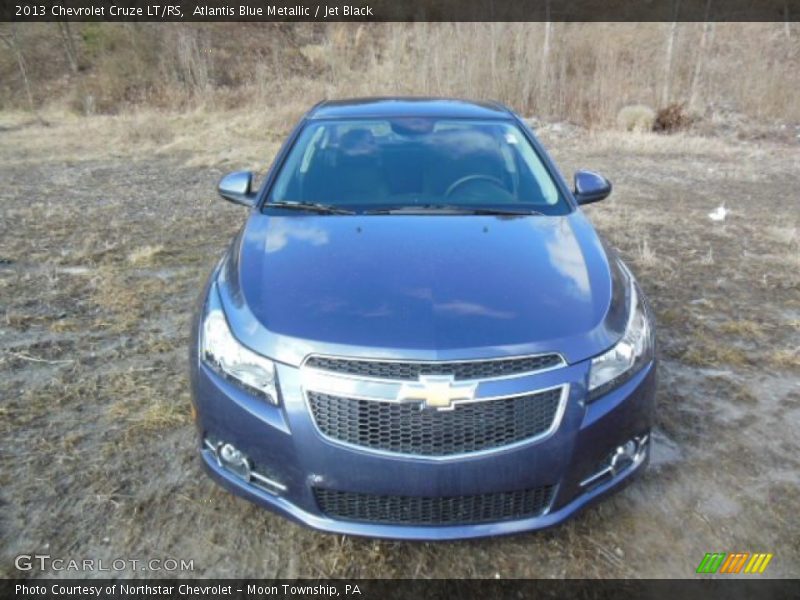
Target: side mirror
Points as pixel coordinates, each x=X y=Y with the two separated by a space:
x=235 y=187
x=590 y=187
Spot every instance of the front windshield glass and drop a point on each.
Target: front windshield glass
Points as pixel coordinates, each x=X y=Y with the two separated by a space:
x=366 y=165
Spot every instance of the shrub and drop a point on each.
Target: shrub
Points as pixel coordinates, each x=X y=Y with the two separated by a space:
x=636 y=117
x=672 y=118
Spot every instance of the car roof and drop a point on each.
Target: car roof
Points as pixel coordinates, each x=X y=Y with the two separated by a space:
x=408 y=107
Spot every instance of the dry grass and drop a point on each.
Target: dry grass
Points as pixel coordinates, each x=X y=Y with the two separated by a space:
x=786 y=358
x=783 y=234
x=653 y=144
x=637 y=118
x=743 y=328
x=734 y=391
x=145 y=255
x=646 y=256
x=708 y=259
x=144 y=417
x=65 y=325
x=204 y=138
x=707 y=352
x=125 y=298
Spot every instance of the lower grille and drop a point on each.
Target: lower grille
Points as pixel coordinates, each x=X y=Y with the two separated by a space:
x=444 y=510
x=405 y=429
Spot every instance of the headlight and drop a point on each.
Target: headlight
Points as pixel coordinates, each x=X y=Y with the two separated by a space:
x=631 y=353
x=223 y=353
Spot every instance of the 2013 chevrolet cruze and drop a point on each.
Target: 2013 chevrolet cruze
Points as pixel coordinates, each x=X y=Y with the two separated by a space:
x=417 y=333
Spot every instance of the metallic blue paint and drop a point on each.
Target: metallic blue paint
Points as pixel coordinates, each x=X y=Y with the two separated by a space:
x=429 y=287
x=424 y=287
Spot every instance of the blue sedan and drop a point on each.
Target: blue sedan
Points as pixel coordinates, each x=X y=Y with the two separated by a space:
x=417 y=333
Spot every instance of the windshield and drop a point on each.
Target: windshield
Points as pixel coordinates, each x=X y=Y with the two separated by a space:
x=404 y=163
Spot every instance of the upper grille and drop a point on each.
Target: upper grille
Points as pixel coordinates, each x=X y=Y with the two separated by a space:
x=401 y=370
x=444 y=510
x=404 y=428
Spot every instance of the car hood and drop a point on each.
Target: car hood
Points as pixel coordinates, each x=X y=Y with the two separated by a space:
x=423 y=286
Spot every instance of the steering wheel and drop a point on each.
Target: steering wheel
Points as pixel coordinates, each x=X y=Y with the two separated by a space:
x=459 y=182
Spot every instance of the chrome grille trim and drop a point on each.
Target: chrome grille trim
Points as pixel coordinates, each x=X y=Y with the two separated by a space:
x=558 y=362
x=556 y=422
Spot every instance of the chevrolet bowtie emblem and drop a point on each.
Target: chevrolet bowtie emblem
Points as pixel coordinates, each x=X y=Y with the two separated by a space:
x=436 y=391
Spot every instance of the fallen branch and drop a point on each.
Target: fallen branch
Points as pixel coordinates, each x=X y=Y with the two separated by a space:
x=39 y=360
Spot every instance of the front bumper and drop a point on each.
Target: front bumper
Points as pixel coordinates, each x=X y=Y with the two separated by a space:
x=285 y=446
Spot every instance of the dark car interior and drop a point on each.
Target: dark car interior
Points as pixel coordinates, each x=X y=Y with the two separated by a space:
x=353 y=164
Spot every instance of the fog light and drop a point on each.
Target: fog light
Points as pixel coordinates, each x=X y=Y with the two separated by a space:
x=233 y=460
x=623 y=457
x=630 y=454
x=230 y=458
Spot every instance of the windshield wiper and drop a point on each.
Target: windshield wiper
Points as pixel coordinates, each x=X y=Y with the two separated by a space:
x=323 y=209
x=450 y=209
x=504 y=211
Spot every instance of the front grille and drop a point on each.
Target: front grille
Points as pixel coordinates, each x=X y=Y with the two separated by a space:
x=410 y=371
x=440 y=510
x=404 y=428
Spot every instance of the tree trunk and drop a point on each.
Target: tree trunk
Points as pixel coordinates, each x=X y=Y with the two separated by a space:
x=548 y=28
x=10 y=40
x=705 y=49
x=543 y=67
x=673 y=30
x=69 y=45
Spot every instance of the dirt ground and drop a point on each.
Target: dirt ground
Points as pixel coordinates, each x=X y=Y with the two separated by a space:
x=103 y=250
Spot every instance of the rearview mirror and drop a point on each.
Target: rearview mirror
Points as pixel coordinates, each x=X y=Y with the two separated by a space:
x=591 y=187
x=235 y=187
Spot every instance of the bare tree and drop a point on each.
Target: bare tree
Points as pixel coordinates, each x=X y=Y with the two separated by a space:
x=673 y=30
x=9 y=37
x=548 y=28
x=705 y=49
x=69 y=45
x=543 y=67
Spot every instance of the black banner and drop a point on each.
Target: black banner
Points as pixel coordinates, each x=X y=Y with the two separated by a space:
x=400 y=10
x=733 y=588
